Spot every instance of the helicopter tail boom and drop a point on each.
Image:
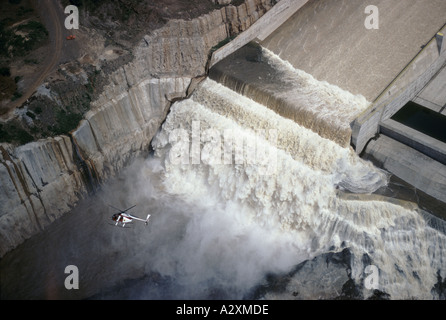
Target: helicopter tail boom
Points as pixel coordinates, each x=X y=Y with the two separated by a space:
x=147 y=220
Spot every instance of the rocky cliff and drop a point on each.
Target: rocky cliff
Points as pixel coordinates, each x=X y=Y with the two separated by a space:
x=42 y=180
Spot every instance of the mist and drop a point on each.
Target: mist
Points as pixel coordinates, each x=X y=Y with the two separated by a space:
x=217 y=230
x=198 y=244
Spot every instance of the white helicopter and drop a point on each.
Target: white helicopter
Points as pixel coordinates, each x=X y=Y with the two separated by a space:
x=123 y=217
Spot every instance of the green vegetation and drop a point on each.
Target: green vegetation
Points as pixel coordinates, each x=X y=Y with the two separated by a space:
x=14 y=133
x=4 y=71
x=237 y=2
x=222 y=43
x=38 y=110
x=16 y=95
x=31 y=114
x=20 y=34
x=3 y=134
x=47 y=123
x=31 y=61
x=8 y=86
x=88 y=4
x=65 y=122
x=21 y=40
x=20 y=30
x=5 y=36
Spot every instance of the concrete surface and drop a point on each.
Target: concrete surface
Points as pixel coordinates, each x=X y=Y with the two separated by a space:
x=433 y=96
x=293 y=94
x=423 y=143
x=410 y=165
x=262 y=28
x=328 y=39
x=405 y=87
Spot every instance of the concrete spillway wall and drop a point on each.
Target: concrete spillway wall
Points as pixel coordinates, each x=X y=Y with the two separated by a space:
x=329 y=40
x=408 y=83
x=389 y=66
x=410 y=165
x=411 y=155
x=261 y=29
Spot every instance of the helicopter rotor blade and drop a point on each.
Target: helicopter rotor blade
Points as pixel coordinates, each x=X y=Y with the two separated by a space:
x=115 y=208
x=129 y=208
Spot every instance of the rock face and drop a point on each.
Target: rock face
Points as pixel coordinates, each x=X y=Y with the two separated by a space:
x=325 y=277
x=42 y=180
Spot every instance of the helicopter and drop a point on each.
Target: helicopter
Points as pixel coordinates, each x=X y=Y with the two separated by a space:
x=122 y=217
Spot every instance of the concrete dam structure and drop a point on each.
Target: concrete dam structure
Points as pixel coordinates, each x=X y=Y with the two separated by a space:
x=260 y=161
x=399 y=61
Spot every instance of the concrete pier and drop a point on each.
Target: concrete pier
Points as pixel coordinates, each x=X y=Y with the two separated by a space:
x=433 y=96
x=412 y=166
x=409 y=154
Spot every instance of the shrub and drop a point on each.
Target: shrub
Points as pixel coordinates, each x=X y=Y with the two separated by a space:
x=38 y=110
x=30 y=114
x=4 y=71
x=66 y=122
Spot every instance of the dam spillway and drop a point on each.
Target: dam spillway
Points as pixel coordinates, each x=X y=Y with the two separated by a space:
x=218 y=228
x=399 y=61
x=262 y=76
x=271 y=80
x=222 y=226
x=296 y=205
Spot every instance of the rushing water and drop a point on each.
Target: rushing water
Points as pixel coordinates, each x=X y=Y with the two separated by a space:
x=296 y=205
x=259 y=74
x=236 y=191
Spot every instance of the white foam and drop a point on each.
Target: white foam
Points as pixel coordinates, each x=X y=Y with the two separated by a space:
x=280 y=219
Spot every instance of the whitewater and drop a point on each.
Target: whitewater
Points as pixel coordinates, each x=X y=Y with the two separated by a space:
x=257 y=219
x=239 y=191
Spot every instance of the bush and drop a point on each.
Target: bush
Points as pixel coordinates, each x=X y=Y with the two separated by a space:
x=38 y=110
x=31 y=115
x=15 y=134
x=36 y=34
x=24 y=137
x=16 y=96
x=66 y=122
x=4 y=136
x=4 y=71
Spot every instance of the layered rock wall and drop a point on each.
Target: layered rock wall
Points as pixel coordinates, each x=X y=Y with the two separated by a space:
x=43 y=180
